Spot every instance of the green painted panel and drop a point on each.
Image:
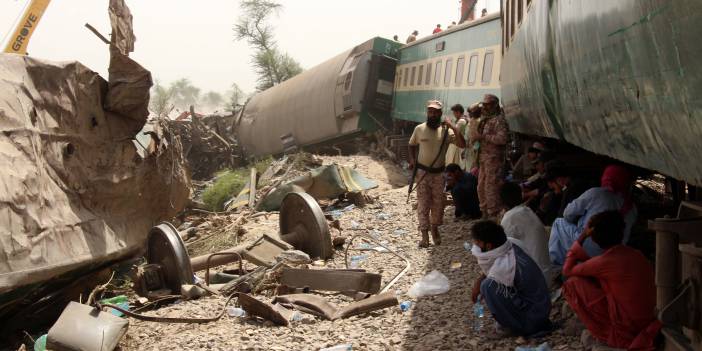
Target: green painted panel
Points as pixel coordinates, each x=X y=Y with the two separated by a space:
x=619 y=78
x=386 y=47
x=485 y=34
x=412 y=105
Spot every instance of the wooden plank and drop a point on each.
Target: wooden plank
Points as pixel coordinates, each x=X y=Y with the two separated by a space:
x=252 y=188
x=331 y=280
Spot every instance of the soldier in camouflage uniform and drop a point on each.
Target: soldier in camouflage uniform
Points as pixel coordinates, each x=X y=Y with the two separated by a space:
x=427 y=150
x=493 y=137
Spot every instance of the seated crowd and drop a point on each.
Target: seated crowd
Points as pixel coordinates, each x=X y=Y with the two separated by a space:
x=556 y=229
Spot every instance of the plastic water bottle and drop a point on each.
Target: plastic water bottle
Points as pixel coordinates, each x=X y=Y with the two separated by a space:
x=343 y=347
x=356 y=260
x=467 y=246
x=355 y=225
x=542 y=347
x=405 y=306
x=235 y=312
x=479 y=314
x=296 y=316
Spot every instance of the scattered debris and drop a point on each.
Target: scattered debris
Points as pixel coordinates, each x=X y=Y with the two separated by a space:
x=321 y=307
x=433 y=283
x=272 y=312
x=331 y=279
x=98 y=330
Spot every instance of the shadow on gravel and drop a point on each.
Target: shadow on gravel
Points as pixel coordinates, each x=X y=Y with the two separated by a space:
x=443 y=322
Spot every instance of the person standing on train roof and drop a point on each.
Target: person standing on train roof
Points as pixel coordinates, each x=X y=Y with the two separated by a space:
x=493 y=135
x=427 y=152
x=453 y=24
x=613 y=294
x=395 y=38
x=471 y=150
x=484 y=13
x=454 y=154
x=437 y=29
x=412 y=37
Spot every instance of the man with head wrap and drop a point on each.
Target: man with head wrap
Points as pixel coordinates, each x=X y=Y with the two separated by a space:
x=427 y=152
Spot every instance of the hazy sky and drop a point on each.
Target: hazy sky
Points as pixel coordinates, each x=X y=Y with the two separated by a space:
x=195 y=39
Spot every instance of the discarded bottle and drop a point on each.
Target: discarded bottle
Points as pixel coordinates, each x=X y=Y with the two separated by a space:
x=542 y=347
x=235 y=312
x=399 y=231
x=479 y=314
x=355 y=225
x=467 y=246
x=296 y=316
x=119 y=301
x=405 y=306
x=40 y=344
x=343 y=347
x=356 y=260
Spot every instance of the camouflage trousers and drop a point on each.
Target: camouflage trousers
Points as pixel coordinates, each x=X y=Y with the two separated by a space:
x=430 y=199
x=489 y=183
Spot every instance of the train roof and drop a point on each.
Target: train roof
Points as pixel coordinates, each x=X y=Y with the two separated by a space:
x=460 y=27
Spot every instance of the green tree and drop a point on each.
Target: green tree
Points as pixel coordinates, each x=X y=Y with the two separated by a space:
x=161 y=102
x=271 y=64
x=184 y=93
x=213 y=100
x=236 y=99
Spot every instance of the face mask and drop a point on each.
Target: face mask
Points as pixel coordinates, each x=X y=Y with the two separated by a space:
x=433 y=122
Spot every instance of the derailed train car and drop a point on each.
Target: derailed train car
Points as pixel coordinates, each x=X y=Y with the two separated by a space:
x=621 y=79
x=617 y=78
x=342 y=97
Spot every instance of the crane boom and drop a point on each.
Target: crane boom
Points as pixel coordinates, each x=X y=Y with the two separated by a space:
x=26 y=26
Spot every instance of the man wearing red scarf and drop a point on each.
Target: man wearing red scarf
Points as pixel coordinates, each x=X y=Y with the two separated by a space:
x=613 y=194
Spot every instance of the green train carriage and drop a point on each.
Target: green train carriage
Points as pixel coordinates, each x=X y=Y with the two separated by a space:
x=456 y=66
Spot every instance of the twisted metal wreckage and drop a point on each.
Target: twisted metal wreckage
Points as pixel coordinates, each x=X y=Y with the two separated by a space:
x=75 y=194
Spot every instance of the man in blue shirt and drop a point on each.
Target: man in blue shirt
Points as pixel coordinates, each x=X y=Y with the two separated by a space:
x=464 y=190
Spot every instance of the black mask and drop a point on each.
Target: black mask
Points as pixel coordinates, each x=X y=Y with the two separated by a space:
x=433 y=122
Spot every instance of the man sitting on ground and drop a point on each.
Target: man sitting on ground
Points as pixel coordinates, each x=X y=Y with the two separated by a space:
x=525 y=229
x=512 y=284
x=613 y=294
x=464 y=190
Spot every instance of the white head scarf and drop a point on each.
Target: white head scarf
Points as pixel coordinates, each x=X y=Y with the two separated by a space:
x=498 y=264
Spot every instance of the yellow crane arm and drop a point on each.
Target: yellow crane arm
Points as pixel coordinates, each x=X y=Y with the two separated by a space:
x=25 y=28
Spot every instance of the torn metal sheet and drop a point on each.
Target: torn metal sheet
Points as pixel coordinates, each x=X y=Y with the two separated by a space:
x=373 y=303
x=76 y=194
x=323 y=308
x=313 y=304
x=331 y=280
x=274 y=313
x=326 y=182
x=122 y=29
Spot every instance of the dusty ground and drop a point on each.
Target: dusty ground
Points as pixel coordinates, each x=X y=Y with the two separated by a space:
x=442 y=322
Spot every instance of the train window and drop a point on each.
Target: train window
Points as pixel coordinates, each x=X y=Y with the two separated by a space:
x=437 y=73
x=472 y=69
x=420 y=75
x=404 y=81
x=487 y=67
x=427 y=80
x=398 y=78
x=460 y=66
x=447 y=72
x=414 y=74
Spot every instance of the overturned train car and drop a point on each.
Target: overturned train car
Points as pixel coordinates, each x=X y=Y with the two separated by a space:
x=343 y=97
